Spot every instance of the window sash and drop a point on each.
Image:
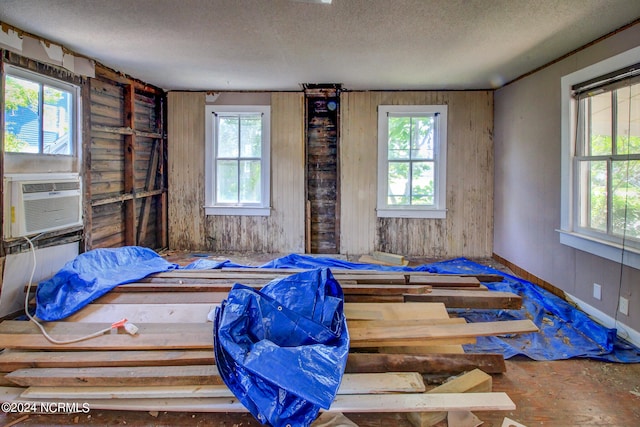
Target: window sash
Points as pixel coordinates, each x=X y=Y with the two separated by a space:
x=245 y=190
x=602 y=161
x=411 y=175
x=44 y=111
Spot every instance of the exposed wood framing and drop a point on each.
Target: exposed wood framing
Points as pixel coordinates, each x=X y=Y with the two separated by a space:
x=127 y=175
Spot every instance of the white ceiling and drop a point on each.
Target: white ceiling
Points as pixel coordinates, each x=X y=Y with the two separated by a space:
x=280 y=44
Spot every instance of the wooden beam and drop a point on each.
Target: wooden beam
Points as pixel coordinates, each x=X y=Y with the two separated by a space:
x=11 y=360
x=450 y=364
x=117 y=376
x=130 y=225
x=366 y=383
x=156 y=336
x=149 y=185
x=470 y=299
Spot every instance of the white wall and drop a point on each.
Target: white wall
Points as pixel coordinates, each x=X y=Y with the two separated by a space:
x=527 y=198
x=18 y=268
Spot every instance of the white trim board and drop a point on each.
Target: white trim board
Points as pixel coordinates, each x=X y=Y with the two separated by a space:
x=625 y=332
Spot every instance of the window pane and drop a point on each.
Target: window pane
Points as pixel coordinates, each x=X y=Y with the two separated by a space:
x=250 y=181
x=398 y=178
x=422 y=184
x=227 y=181
x=250 y=136
x=399 y=138
x=593 y=195
x=56 y=123
x=600 y=125
x=422 y=137
x=628 y=123
x=228 y=137
x=22 y=118
x=626 y=198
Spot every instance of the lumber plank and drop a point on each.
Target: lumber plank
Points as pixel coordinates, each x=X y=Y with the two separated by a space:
x=490 y=363
x=355 y=288
x=423 y=349
x=402 y=335
x=395 y=311
x=117 y=376
x=363 y=383
x=11 y=360
x=440 y=281
x=469 y=299
x=475 y=381
x=197 y=313
x=151 y=336
x=359 y=403
x=156 y=336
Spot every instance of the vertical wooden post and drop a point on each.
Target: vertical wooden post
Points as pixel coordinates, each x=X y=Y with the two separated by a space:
x=87 y=209
x=162 y=240
x=129 y=166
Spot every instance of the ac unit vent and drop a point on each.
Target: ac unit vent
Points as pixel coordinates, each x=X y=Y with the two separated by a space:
x=45 y=187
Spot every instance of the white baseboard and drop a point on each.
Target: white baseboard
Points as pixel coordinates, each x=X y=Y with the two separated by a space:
x=625 y=332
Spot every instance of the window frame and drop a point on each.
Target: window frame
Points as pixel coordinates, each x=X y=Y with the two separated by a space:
x=439 y=209
x=75 y=121
x=570 y=232
x=212 y=207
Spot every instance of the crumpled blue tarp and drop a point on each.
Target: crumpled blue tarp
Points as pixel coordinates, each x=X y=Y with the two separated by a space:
x=565 y=331
x=91 y=275
x=282 y=351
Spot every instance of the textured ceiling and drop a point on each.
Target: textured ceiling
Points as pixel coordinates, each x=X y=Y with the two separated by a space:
x=280 y=44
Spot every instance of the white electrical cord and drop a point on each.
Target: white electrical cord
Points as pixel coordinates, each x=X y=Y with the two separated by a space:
x=129 y=327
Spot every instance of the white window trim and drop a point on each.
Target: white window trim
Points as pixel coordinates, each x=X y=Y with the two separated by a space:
x=76 y=121
x=439 y=210
x=211 y=208
x=569 y=231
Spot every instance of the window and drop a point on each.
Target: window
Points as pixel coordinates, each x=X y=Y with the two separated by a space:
x=601 y=195
x=237 y=160
x=39 y=114
x=412 y=147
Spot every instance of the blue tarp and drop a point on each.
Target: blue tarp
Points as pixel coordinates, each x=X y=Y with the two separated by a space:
x=91 y=275
x=282 y=351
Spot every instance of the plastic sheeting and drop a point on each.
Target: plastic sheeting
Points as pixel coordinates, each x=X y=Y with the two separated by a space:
x=565 y=332
x=91 y=275
x=282 y=351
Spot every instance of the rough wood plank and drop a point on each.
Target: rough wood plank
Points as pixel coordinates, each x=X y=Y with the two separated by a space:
x=441 y=281
x=426 y=363
x=393 y=402
x=470 y=299
x=394 y=335
x=395 y=311
x=155 y=336
x=117 y=376
x=364 y=383
x=10 y=360
x=475 y=381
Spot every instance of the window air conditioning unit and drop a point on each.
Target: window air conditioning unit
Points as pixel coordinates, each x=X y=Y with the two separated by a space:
x=42 y=202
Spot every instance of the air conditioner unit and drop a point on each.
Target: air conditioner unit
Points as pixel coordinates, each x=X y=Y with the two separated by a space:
x=42 y=202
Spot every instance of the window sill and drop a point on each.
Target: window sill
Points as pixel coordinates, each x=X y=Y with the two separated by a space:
x=237 y=211
x=412 y=213
x=629 y=256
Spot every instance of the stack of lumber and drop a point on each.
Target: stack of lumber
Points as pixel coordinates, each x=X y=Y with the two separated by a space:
x=169 y=365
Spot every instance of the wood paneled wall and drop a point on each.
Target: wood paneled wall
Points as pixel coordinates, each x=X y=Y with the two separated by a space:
x=189 y=228
x=468 y=228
